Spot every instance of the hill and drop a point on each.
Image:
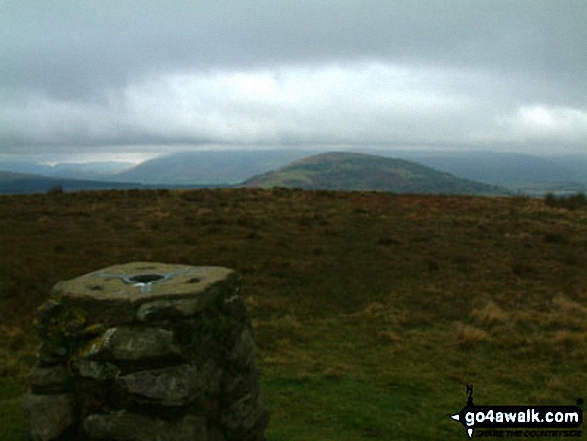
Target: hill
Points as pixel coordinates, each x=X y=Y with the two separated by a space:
x=490 y=167
x=358 y=171
x=208 y=167
x=30 y=183
x=6 y=176
x=529 y=174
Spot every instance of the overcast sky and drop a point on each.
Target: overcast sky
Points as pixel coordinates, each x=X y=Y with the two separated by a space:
x=91 y=77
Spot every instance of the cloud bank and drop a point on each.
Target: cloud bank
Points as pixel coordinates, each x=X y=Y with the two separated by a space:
x=457 y=74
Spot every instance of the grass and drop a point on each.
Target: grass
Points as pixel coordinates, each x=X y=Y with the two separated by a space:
x=12 y=419
x=372 y=311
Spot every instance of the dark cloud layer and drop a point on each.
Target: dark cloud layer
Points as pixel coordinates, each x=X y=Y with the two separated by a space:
x=84 y=72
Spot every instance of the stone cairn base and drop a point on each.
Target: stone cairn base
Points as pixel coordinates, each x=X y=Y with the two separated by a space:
x=146 y=351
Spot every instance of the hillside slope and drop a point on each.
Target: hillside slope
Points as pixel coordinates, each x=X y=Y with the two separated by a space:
x=501 y=168
x=13 y=183
x=357 y=171
x=208 y=167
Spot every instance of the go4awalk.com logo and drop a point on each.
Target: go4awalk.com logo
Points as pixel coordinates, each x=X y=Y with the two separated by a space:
x=520 y=421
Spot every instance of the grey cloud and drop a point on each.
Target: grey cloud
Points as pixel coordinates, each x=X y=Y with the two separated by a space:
x=365 y=103
x=110 y=72
x=76 y=45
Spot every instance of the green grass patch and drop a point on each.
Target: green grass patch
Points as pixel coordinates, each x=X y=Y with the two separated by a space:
x=12 y=422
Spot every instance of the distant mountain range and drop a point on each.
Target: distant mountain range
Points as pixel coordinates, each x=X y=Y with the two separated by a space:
x=358 y=171
x=525 y=173
x=104 y=170
x=209 y=167
x=502 y=168
x=29 y=183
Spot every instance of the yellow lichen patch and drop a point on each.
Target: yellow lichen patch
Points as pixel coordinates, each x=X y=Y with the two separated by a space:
x=91 y=347
x=95 y=329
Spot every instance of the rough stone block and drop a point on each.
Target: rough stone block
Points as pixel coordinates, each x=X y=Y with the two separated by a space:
x=133 y=344
x=48 y=380
x=245 y=350
x=173 y=309
x=239 y=385
x=49 y=415
x=110 y=296
x=96 y=370
x=51 y=354
x=126 y=426
x=246 y=418
x=170 y=386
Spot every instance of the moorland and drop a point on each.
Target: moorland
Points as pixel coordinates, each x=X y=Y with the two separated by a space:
x=372 y=311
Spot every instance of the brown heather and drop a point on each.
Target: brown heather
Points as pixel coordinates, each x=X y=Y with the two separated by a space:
x=372 y=311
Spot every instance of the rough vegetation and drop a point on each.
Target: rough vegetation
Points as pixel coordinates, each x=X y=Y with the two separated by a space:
x=570 y=202
x=372 y=311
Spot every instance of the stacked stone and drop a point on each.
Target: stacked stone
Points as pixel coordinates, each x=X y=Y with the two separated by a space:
x=169 y=358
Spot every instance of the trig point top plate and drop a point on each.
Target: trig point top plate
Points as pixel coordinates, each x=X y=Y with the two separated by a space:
x=138 y=290
x=141 y=281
